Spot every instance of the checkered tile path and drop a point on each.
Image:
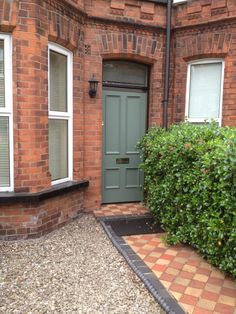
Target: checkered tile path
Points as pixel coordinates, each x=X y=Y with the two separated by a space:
x=197 y=286
x=121 y=209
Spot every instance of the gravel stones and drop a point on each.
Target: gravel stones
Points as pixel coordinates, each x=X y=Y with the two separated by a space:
x=75 y=269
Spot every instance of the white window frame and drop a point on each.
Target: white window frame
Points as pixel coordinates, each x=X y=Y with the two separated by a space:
x=179 y=1
x=7 y=111
x=187 y=104
x=68 y=116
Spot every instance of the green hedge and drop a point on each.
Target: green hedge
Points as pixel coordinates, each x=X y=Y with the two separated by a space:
x=190 y=187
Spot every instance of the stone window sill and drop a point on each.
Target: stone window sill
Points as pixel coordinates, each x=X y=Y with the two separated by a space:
x=56 y=190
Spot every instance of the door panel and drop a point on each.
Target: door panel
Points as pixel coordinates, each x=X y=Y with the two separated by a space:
x=124 y=117
x=132 y=178
x=112 y=178
x=134 y=122
x=112 y=130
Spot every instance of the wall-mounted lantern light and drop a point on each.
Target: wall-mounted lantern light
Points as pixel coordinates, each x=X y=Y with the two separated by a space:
x=93 y=85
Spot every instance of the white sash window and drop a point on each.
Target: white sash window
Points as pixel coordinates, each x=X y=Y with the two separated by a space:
x=6 y=120
x=205 y=91
x=60 y=114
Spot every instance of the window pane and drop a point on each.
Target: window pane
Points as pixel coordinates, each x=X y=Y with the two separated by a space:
x=58 y=148
x=2 y=80
x=4 y=152
x=125 y=72
x=58 y=82
x=205 y=91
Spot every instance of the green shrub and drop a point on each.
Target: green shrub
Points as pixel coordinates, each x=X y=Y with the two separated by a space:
x=190 y=187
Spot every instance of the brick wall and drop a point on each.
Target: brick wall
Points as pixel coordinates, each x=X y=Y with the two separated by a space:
x=141 y=12
x=32 y=220
x=204 y=29
x=196 y=12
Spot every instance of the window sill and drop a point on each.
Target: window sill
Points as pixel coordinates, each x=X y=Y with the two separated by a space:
x=56 y=190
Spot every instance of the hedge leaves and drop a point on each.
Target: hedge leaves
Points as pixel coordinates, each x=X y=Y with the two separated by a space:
x=190 y=187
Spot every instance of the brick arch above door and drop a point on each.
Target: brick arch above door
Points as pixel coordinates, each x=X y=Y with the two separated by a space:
x=145 y=48
x=113 y=41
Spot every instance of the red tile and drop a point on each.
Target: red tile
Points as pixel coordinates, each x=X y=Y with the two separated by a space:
x=210 y=296
x=197 y=284
x=144 y=252
x=159 y=267
x=188 y=299
x=167 y=256
x=167 y=277
x=177 y=248
x=194 y=262
x=133 y=238
x=149 y=259
x=199 y=310
x=146 y=237
x=229 y=283
x=138 y=244
x=229 y=292
x=154 y=243
x=215 y=281
x=184 y=254
x=176 y=265
x=203 y=271
x=186 y=274
x=224 y=308
x=178 y=288
x=158 y=250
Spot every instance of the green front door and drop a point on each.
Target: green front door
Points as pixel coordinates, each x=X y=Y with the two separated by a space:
x=124 y=123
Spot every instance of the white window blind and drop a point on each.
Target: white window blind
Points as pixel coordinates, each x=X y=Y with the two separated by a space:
x=6 y=130
x=4 y=152
x=60 y=114
x=58 y=148
x=2 y=81
x=204 y=91
x=58 y=82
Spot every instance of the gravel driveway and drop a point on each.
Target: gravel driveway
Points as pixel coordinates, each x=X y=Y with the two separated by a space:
x=72 y=270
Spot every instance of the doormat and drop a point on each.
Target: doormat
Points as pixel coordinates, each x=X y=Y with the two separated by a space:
x=118 y=226
x=133 y=225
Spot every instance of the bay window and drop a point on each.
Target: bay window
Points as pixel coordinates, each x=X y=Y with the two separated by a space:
x=60 y=114
x=205 y=91
x=6 y=122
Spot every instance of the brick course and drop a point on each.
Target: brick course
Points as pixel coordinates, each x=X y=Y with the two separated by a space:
x=32 y=220
x=98 y=30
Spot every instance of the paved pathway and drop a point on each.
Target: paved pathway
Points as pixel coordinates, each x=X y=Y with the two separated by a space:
x=198 y=287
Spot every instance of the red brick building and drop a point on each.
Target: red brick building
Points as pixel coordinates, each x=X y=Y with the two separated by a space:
x=63 y=150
